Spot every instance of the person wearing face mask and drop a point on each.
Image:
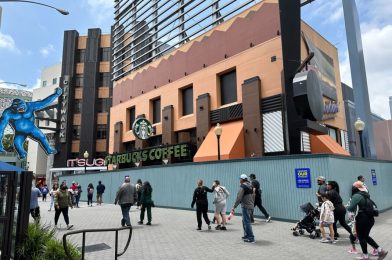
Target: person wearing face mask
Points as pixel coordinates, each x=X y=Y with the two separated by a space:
x=62 y=201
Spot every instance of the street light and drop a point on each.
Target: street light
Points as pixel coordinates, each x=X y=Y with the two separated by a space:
x=13 y=83
x=61 y=11
x=218 y=133
x=359 y=126
x=85 y=155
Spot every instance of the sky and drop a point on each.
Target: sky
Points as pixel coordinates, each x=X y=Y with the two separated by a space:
x=31 y=38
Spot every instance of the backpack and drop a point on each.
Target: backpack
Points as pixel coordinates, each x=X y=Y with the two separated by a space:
x=370 y=208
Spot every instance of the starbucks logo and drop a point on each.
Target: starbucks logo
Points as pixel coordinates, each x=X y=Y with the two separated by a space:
x=142 y=128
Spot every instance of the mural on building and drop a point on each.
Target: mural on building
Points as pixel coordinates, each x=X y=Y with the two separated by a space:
x=20 y=116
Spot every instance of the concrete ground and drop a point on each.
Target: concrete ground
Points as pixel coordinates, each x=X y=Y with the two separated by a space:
x=173 y=235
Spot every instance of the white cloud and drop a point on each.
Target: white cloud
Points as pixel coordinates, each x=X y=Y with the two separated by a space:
x=37 y=84
x=8 y=43
x=45 y=51
x=101 y=10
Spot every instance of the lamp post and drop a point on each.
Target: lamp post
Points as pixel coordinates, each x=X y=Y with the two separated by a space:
x=359 y=126
x=218 y=133
x=85 y=155
x=61 y=11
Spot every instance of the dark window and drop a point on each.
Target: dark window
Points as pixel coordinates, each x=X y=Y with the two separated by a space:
x=54 y=81
x=44 y=83
x=101 y=131
x=76 y=132
x=131 y=116
x=80 y=55
x=74 y=155
x=228 y=87
x=154 y=140
x=103 y=105
x=104 y=79
x=130 y=146
x=79 y=80
x=78 y=106
x=156 y=110
x=187 y=101
x=105 y=54
x=100 y=155
x=332 y=133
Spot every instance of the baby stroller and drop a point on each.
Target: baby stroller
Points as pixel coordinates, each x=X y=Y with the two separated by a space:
x=308 y=223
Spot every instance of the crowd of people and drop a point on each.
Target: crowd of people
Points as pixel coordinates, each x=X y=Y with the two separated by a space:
x=362 y=211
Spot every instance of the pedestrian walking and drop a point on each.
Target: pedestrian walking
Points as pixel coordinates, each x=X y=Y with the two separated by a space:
x=55 y=187
x=246 y=199
x=100 y=191
x=126 y=196
x=321 y=189
x=90 y=193
x=34 y=206
x=258 y=201
x=146 y=202
x=364 y=221
x=78 y=194
x=220 y=197
x=138 y=186
x=327 y=219
x=62 y=201
x=44 y=192
x=200 y=198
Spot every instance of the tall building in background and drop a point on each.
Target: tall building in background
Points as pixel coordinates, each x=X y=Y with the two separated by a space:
x=6 y=97
x=38 y=161
x=86 y=99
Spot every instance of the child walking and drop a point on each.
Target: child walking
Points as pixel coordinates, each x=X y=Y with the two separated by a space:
x=327 y=220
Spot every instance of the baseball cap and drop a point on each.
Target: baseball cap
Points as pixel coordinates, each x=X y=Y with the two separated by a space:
x=244 y=177
x=321 y=178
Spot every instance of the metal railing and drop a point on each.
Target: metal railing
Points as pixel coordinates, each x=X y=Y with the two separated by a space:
x=84 y=231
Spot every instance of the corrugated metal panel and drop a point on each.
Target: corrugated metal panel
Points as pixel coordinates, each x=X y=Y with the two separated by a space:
x=174 y=184
x=344 y=138
x=273 y=132
x=271 y=104
x=305 y=142
x=226 y=114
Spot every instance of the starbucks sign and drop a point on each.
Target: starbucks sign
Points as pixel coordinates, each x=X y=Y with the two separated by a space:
x=142 y=128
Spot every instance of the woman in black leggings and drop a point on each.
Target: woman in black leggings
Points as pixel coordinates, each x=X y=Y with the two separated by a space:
x=364 y=221
x=339 y=211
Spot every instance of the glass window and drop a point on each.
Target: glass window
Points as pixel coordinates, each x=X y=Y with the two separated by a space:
x=103 y=105
x=156 y=110
x=228 y=87
x=131 y=116
x=76 y=132
x=44 y=83
x=3 y=195
x=79 y=80
x=187 y=101
x=74 y=155
x=105 y=54
x=54 y=81
x=78 y=106
x=104 y=79
x=80 y=55
x=101 y=131
x=332 y=133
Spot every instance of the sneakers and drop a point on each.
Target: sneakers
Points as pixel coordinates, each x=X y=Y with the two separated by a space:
x=209 y=227
x=382 y=254
x=268 y=220
x=69 y=227
x=374 y=252
x=352 y=251
x=199 y=228
x=223 y=228
x=324 y=240
x=140 y=222
x=218 y=227
x=148 y=223
x=247 y=240
x=363 y=257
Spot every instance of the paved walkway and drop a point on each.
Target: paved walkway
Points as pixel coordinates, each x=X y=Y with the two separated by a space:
x=173 y=235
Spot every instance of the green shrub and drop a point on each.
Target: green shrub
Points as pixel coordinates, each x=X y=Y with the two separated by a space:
x=40 y=244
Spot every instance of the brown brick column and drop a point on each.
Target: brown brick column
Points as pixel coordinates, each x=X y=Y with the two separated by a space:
x=168 y=135
x=118 y=146
x=252 y=117
x=203 y=123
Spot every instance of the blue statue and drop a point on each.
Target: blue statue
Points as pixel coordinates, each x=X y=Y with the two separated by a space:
x=20 y=116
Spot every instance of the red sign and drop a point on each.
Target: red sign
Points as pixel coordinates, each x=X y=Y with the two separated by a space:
x=85 y=162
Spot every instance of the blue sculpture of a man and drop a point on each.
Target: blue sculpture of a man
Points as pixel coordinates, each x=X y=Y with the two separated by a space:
x=20 y=116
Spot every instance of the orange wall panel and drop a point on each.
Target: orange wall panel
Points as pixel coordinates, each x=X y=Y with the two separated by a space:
x=82 y=42
x=104 y=66
x=76 y=119
x=79 y=68
x=75 y=146
x=100 y=145
x=102 y=118
x=103 y=92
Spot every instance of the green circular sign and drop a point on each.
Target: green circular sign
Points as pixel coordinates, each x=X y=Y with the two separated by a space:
x=142 y=128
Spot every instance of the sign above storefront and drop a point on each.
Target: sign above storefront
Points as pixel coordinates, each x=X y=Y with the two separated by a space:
x=156 y=153
x=85 y=162
x=142 y=129
x=331 y=108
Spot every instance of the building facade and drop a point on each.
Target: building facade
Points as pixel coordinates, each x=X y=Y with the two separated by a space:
x=39 y=162
x=87 y=90
x=230 y=74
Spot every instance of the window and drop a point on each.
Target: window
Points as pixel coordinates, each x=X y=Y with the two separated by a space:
x=131 y=114
x=332 y=133
x=78 y=106
x=156 y=111
x=187 y=101
x=54 y=81
x=80 y=55
x=79 y=80
x=105 y=54
x=76 y=132
x=103 y=105
x=101 y=131
x=100 y=155
x=104 y=79
x=44 y=83
x=228 y=87
x=74 y=155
